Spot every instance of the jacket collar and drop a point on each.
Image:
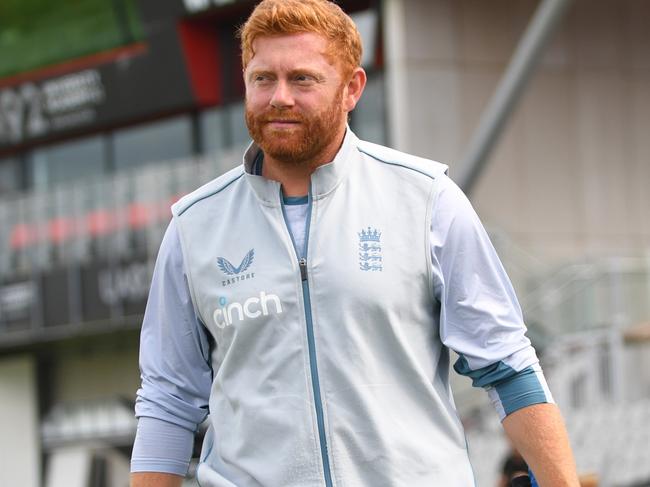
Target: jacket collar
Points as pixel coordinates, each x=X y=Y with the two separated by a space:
x=323 y=180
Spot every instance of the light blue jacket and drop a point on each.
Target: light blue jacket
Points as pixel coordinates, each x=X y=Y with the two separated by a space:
x=333 y=370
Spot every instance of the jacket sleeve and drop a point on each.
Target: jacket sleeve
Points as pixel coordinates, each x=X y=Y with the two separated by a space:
x=174 y=363
x=480 y=318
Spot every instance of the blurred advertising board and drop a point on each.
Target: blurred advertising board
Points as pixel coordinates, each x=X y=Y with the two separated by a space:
x=114 y=290
x=18 y=302
x=72 y=296
x=170 y=64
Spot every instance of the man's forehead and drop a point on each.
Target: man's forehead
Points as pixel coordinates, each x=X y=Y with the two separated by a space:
x=300 y=40
x=291 y=52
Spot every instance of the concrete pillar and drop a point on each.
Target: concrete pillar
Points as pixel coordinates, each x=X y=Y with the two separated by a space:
x=422 y=78
x=396 y=73
x=19 y=441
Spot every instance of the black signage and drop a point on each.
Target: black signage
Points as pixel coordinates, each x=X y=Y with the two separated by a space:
x=111 y=88
x=56 y=297
x=99 y=291
x=93 y=306
x=155 y=10
x=18 y=302
x=194 y=6
x=33 y=110
x=114 y=290
x=139 y=83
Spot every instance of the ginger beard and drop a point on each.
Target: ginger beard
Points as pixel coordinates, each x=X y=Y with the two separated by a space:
x=300 y=143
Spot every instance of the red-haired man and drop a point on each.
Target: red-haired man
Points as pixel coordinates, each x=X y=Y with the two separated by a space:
x=309 y=298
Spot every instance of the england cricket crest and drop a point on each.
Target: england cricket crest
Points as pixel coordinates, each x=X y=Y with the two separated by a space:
x=370 y=258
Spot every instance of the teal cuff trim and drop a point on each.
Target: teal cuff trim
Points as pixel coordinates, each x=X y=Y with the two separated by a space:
x=515 y=390
x=524 y=389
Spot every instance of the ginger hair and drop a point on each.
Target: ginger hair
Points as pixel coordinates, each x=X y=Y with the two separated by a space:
x=285 y=17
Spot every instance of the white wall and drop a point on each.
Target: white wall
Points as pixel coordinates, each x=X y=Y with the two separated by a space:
x=19 y=438
x=571 y=174
x=96 y=374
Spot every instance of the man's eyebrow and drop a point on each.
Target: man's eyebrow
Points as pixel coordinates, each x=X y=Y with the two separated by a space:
x=257 y=72
x=292 y=73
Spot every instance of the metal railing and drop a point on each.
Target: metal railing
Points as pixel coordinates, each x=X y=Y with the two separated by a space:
x=109 y=218
x=612 y=292
x=78 y=259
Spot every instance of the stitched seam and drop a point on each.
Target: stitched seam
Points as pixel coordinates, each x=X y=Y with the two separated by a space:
x=219 y=190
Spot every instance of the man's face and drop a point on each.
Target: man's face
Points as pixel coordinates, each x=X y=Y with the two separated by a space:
x=294 y=98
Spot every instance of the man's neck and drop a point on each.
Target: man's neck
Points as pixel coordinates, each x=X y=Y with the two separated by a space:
x=295 y=178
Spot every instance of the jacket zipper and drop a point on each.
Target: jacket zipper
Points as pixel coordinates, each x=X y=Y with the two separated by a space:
x=313 y=365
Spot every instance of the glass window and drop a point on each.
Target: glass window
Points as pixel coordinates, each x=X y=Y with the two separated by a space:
x=223 y=128
x=68 y=161
x=237 y=125
x=212 y=124
x=367 y=23
x=368 y=118
x=10 y=179
x=154 y=142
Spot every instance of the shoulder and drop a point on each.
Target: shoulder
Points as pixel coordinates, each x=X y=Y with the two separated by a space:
x=453 y=216
x=170 y=267
x=401 y=160
x=449 y=194
x=170 y=246
x=214 y=187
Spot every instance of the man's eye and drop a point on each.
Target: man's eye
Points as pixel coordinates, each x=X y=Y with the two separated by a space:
x=304 y=79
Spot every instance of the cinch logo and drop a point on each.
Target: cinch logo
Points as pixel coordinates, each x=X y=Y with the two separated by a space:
x=253 y=307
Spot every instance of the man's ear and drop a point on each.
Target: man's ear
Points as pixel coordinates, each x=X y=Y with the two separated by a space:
x=354 y=89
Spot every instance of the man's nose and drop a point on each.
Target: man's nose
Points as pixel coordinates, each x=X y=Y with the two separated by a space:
x=282 y=97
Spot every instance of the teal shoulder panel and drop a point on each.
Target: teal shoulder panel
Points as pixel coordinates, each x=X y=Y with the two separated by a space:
x=486 y=376
x=209 y=189
x=387 y=155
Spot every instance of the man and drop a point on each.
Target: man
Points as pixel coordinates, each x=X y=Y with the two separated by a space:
x=309 y=298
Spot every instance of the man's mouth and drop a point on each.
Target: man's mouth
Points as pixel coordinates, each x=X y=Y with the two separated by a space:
x=282 y=124
x=282 y=121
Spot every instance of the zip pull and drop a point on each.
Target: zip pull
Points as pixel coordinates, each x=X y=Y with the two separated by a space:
x=303 y=268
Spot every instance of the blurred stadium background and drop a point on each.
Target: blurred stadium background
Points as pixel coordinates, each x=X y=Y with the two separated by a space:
x=110 y=110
